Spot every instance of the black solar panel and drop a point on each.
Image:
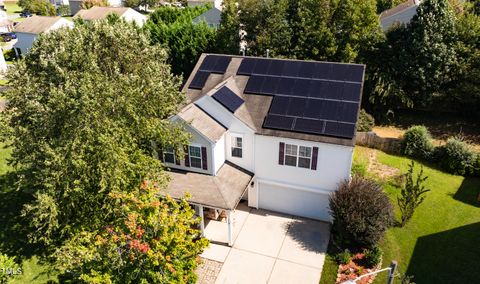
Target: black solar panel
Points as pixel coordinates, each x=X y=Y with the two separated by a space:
x=246 y=67
x=291 y=68
x=215 y=64
x=254 y=85
x=314 y=126
x=228 y=99
x=355 y=73
x=351 y=92
x=296 y=106
x=318 y=98
x=276 y=68
x=278 y=122
x=307 y=69
x=262 y=67
x=340 y=129
x=199 y=80
x=270 y=85
x=279 y=105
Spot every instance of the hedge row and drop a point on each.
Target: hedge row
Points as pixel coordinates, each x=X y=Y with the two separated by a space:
x=455 y=156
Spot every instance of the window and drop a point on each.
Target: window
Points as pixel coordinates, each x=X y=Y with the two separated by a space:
x=237 y=146
x=195 y=154
x=169 y=156
x=300 y=156
x=304 y=157
x=291 y=155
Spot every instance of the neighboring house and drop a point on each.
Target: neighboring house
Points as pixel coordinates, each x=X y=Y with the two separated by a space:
x=212 y=17
x=28 y=30
x=6 y=25
x=401 y=14
x=58 y=3
x=101 y=13
x=278 y=132
x=215 y=3
x=76 y=5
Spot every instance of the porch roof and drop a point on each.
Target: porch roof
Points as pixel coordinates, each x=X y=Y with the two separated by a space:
x=222 y=191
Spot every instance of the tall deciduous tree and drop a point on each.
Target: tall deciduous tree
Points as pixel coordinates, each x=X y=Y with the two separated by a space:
x=173 y=29
x=84 y=108
x=430 y=53
x=303 y=29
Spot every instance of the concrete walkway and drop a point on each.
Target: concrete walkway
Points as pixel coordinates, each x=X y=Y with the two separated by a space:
x=270 y=248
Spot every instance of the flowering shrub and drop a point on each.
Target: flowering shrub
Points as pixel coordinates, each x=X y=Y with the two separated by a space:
x=153 y=240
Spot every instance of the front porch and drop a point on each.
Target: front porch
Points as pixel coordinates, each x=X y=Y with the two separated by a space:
x=215 y=197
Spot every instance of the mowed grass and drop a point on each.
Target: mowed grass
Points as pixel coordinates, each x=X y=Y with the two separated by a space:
x=13 y=239
x=440 y=244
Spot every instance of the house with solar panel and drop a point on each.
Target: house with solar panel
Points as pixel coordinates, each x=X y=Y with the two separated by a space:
x=279 y=133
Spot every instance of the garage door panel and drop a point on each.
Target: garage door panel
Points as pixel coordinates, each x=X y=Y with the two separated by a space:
x=293 y=201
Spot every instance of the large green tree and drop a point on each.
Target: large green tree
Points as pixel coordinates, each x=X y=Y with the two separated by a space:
x=304 y=29
x=173 y=29
x=84 y=106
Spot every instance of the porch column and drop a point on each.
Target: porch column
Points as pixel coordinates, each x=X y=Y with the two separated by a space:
x=202 y=222
x=230 y=228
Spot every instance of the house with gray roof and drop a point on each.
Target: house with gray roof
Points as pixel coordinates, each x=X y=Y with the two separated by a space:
x=101 y=13
x=28 y=30
x=211 y=17
x=401 y=14
x=277 y=132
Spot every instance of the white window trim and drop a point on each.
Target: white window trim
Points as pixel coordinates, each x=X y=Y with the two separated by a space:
x=297 y=156
x=235 y=136
x=200 y=157
x=170 y=152
x=310 y=158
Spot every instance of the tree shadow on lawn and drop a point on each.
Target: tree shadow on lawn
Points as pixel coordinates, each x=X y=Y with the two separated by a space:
x=14 y=228
x=447 y=257
x=469 y=192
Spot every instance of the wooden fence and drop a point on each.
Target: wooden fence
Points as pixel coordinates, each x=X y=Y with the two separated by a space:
x=372 y=140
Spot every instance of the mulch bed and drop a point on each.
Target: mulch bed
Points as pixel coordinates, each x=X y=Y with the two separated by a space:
x=354 y=269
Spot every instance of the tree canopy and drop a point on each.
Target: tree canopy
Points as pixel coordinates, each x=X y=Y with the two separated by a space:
x=173 y=29
x=304 y=29
x=83 y=109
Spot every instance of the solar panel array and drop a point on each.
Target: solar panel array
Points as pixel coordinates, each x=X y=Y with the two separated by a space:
x=211 y=64
x=309 y=97
x=228 y=99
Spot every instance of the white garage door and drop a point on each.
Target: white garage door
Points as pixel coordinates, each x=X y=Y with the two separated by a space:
x=293 y=201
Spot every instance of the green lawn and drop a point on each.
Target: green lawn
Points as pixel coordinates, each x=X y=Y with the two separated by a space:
x=12 y=8
x=13 y=239
x=441 y=242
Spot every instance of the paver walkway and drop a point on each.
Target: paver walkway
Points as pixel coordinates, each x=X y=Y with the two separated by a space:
x=272 y=248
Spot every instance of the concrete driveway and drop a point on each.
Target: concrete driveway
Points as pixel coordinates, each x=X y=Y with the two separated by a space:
x=270 y=248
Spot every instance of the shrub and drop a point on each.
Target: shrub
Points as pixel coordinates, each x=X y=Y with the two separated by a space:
x=417 y=143
x=9 y=55
x=343 y=257
x=412 y=194
x=361 y=212
x=63 y=10
x=8 y=268
x=366 y=122
x=455 y=156
x=373 y=256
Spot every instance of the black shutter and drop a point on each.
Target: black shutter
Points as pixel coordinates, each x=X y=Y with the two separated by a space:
x=187 y=157
x=281 y=153
x=204 y=158
x=314 y=158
